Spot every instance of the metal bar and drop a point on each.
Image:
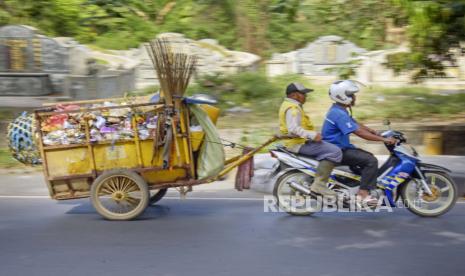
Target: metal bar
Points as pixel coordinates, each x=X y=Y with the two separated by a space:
x=90 y=149
x=47 y=112
x=175 y=138
x=42 y=153
x=92 y=175
x=232 y=159
x=76 y=176
x=137 y=142
x=86 y=101
x=188 y=140
x=177 y=184
x=245 y=157
x=71 y=146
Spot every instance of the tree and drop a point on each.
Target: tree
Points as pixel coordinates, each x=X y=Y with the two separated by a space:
x=434 y=28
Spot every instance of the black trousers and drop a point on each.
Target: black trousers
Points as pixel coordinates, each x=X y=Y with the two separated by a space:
x=362 y=162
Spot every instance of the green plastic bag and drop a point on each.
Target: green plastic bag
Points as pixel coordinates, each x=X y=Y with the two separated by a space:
x=211 y=156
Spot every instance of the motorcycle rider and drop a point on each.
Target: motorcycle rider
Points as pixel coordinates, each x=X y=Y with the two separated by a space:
x=294 y=121
x=337 y=128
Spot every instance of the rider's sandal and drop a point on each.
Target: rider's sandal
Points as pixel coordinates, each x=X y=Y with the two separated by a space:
x=367 y=201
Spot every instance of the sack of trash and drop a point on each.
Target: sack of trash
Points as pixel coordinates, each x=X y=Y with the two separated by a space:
x=21 y=140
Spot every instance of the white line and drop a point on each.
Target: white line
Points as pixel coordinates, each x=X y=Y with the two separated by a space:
x=23 y=196
x=220 y=198
x=167 y=197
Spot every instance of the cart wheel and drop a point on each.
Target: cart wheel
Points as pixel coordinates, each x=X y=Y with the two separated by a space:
x=157 y=196
x=120 y=194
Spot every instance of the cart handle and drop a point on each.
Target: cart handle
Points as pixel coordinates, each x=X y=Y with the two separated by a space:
x=238 y=160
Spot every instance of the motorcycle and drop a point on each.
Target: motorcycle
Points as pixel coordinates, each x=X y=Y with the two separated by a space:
x=426 y=190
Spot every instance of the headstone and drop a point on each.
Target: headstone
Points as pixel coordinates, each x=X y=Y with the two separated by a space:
x=281 y=64
x=316 y=58
x=34 y=65
x=25 y=51
x=212 y=58
x=28 y=60
x=324 y=53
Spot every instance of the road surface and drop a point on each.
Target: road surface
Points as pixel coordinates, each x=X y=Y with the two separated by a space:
x=219 y=232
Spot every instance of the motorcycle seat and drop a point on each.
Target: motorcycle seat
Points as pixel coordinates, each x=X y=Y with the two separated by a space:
x=314 y=161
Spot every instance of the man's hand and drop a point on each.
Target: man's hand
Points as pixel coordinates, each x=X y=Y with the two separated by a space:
x=390 y=141
x=317 y=138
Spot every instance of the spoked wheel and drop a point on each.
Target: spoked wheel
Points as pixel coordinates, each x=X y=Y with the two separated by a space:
x=291 y=200
x=442 y=199
x=157 y=195
x=120 y=194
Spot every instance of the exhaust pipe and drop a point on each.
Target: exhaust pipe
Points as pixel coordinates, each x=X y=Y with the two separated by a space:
x=299 y=187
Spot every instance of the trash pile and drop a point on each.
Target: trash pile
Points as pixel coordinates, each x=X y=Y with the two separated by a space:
x=106 y=124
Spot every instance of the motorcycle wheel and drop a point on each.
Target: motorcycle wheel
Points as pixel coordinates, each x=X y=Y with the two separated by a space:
x=291 y=200
x=443 y=198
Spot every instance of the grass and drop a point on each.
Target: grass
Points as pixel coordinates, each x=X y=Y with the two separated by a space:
x=98 y=48
x=408 y=103
x=373 y=104
x=149 y=90
x=6 y=114
x=101 y=61
x=6 y=161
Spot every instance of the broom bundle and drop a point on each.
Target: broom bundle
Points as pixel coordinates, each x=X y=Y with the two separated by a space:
x=174 y=69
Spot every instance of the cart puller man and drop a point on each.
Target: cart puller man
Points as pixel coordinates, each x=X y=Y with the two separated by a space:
x=293 y=121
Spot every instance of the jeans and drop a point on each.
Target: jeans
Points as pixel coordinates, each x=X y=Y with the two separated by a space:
x=362 y=162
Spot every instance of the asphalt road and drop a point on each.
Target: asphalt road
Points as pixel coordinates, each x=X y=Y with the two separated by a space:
x=208 y=236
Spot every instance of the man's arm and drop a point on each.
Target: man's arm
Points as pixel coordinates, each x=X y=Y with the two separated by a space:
x=364 y=133
x=372 y=131
x=294 y=126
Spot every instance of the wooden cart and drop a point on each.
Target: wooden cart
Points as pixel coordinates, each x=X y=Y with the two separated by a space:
x=118 y=175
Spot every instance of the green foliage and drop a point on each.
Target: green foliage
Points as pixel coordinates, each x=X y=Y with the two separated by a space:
x=407 y=103
x=259 y=26
x=434 y=28
x=232 y=90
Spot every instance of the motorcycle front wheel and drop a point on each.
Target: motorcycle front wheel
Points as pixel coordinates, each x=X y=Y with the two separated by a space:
x=291 y=200
x=443 y=197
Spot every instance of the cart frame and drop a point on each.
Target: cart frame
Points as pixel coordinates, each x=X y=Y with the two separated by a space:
x=188 y=166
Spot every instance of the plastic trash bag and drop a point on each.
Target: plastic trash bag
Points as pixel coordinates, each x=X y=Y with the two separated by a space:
x=211 y=156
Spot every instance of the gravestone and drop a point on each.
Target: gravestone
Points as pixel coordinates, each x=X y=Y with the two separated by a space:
x=213 y=58
x=324 y=53
x=30 y=64
x=316 y=58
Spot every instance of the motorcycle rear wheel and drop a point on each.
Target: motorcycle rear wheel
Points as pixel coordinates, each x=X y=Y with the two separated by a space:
x=440 y=202
x=290 y=200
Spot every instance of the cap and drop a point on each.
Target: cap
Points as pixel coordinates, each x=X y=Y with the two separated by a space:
x=297 y=87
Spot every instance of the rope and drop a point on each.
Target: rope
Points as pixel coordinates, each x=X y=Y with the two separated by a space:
x=229 y=143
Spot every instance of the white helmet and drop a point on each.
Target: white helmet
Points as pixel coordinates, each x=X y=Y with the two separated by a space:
x=341 y=91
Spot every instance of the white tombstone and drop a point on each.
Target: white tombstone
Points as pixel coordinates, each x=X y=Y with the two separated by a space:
x=316 y=58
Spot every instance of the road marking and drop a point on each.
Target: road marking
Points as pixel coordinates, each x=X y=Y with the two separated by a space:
x=167 y=197
x=219 y=198
x=23 y=196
